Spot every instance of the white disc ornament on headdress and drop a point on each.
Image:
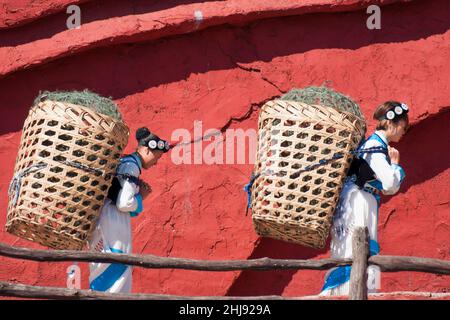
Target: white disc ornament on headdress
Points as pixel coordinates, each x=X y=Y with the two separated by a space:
x=398 y=110
x=390 y=115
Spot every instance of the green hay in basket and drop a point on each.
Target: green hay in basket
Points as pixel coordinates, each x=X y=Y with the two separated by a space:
x=84 y=98
x=324 y=96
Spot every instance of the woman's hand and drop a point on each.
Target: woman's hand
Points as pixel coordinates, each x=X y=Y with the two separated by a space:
x=394 y=155
x=144 y=189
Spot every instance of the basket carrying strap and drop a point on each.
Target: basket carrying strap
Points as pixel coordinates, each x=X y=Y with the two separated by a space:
x=336 y=156
x=371 y=150
x=248 y=189
x=16 y=182
x=248 y=186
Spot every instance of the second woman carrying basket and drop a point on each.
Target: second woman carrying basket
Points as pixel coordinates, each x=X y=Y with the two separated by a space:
x=375 y=170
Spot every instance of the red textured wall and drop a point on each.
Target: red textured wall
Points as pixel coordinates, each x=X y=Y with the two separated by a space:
x=168 y=73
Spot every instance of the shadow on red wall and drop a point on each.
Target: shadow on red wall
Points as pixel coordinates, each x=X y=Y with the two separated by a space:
x=425 y=149
x=93 y=10
x=255 y=283
x=125 y=70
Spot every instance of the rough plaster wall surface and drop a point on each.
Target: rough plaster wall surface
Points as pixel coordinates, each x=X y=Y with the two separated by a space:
x=167 y=75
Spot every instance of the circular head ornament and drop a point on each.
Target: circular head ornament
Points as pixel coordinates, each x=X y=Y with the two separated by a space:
x=398 y=110
x=166 y=145
x=152 y=144
x=405 y=107
x=390 y=115
x=160 y=145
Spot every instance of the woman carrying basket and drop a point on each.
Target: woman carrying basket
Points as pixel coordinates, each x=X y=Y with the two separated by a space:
x=374 y=170
x=113 y=231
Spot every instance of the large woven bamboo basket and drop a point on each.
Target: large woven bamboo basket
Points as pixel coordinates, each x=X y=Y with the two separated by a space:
x=67 y=157
x=302 y=160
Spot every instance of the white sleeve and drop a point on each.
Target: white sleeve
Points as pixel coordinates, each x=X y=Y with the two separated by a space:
x=128 y=197
x=390 y=175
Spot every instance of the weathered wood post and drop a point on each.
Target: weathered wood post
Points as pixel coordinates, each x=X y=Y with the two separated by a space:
x=358 y=275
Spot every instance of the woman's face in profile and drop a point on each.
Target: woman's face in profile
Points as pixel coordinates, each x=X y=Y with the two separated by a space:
x=398 y=130
x=151 y=158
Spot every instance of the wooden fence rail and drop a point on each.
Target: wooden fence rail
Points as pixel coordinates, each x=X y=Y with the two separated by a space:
x=39 y=292
x=386 y=263
x=155 y=262
x=358 y=288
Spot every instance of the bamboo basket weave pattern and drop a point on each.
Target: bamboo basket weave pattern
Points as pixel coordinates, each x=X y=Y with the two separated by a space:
x=67 y=157
x=293 y=196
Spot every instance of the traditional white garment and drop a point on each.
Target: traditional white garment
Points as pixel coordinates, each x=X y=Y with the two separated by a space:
x=359 y=208
x=113 y=231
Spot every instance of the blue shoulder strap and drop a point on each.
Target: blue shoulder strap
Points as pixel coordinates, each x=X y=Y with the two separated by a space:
x=380 y=149
x=131 y=159
x=378 y=138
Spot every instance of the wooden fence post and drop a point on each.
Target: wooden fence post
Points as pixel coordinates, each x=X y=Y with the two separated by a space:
x=358 y=275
